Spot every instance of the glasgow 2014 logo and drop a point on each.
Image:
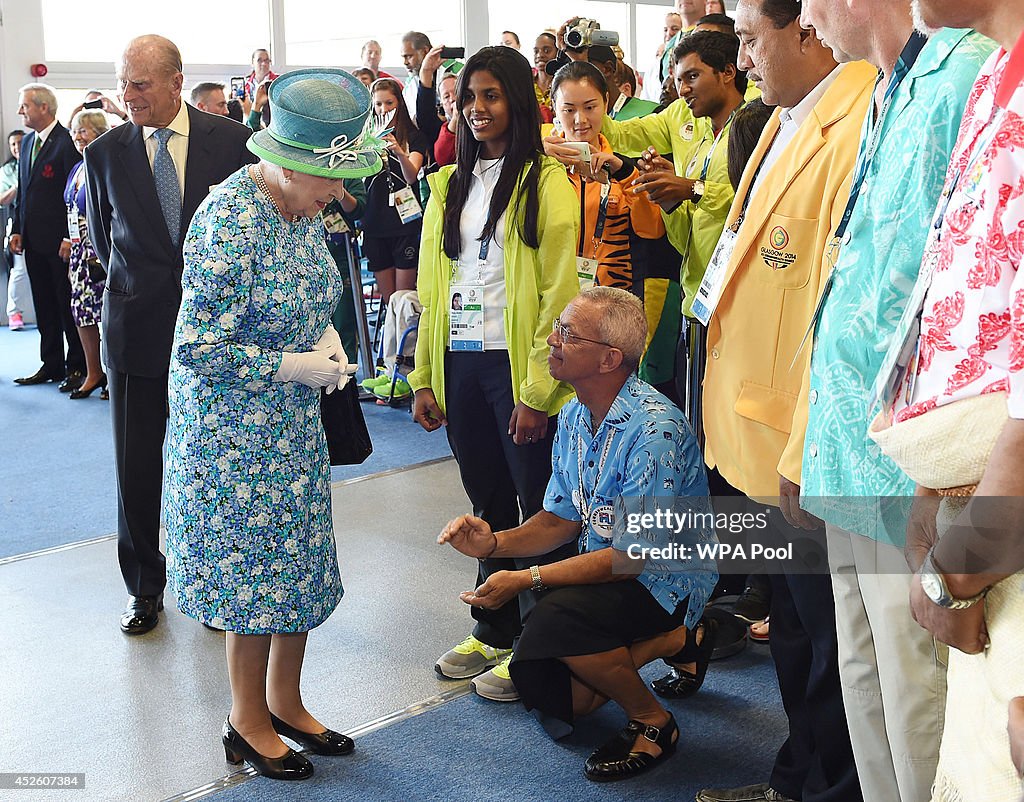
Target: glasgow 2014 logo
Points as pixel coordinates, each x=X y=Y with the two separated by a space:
x=779 y=238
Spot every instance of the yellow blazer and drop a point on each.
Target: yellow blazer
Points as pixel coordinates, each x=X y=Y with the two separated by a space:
x=755 y=396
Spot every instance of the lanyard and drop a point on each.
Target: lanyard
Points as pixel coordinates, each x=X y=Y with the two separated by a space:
x=485 y=248
x=581 y=449
x=485 y=244
x=602 y=210
x=718 y=137
x=602 y=213
x=753 y=182
x=906 y=60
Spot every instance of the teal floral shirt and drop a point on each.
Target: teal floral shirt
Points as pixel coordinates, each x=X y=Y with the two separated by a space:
x=876 y=269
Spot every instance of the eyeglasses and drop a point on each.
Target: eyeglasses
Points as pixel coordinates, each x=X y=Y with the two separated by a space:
x=565 y=336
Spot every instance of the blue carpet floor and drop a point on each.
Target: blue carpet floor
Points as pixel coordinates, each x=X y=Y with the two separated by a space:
x=471 y=749
x=57 y=463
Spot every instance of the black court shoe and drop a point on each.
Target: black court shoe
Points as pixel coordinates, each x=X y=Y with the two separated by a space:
x=616 y=760
x=680 y=684
x=327 y=742
x=290 y=766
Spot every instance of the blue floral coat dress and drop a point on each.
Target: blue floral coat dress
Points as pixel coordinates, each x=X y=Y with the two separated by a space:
x=250 y=539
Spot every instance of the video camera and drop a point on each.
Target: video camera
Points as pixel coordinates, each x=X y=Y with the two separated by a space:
x=587 y=32
x=578 y=37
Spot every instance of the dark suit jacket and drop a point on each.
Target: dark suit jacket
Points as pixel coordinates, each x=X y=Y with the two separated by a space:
x=40 y=215
x=127 y=228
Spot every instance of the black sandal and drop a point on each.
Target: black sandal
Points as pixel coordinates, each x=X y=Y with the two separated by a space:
x=680 y=684
x=616 y=760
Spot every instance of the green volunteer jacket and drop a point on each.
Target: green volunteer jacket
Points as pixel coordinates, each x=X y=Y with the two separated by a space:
x=538 y=282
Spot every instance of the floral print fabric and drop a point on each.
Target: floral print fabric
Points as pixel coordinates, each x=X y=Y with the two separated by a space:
x=972 y=328
x=250 y=540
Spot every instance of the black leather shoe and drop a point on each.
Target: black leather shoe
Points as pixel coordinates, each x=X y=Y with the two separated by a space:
x=72 y=381
x=755 y=602
x=762 y=792
x=680 y=684
x=327 y=742
x=616 y=760
x=39 y=377
x=290 y=766
x=84 y=392
x=141 y=614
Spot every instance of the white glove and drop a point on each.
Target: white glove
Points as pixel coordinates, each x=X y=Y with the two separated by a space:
x=312 y=368
x=330 y=343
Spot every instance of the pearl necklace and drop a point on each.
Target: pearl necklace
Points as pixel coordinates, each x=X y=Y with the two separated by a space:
x=261 y=185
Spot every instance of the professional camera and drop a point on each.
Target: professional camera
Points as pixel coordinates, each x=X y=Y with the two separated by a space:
x=587 y=32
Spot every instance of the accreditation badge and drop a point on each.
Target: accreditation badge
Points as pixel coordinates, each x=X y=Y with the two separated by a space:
x=466 y=317
x=586 y=270
x=406 y=204
x=710 y=290
x=74 y=232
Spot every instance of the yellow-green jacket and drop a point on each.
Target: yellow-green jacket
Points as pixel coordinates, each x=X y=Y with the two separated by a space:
x=693 y=228
x=538 y=284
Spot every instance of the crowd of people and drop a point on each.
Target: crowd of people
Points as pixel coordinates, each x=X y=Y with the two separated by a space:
x=778 y=270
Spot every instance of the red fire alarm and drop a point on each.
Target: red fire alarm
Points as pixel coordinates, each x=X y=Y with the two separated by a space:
x=38 y=70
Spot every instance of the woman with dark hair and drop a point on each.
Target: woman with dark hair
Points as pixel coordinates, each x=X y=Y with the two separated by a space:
x=500 y=223
x=612 y=217
x=747 y=124
x=545 y=49
x=393 y=217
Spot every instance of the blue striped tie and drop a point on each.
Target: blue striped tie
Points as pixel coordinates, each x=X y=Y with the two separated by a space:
x=167 y=188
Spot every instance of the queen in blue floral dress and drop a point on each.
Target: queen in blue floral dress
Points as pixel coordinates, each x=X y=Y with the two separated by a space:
x=250 y=537
x=250 y=541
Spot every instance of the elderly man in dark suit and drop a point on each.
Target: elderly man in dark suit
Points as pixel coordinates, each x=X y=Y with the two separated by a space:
x=40 y=223
x=145 y=181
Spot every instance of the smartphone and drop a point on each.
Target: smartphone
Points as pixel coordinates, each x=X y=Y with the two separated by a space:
x=93 y=104
x=453 y=52
x=238 y=87
x=582 y=147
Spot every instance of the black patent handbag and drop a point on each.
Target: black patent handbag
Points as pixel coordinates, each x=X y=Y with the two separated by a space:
x=348 y=441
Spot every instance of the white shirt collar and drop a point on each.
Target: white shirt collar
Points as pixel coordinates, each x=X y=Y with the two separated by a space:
x=802 y=110
x=42 y=135
x=179 y=124
x=492 y=166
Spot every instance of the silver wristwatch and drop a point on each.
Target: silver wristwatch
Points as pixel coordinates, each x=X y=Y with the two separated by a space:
x=698 y=190
x=537 y=585
x=934 y=585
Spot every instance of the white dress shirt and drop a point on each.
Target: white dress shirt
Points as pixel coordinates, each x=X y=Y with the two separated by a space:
x=43 y=135
x=790 y=121
x=492 y=273
x=177 y=145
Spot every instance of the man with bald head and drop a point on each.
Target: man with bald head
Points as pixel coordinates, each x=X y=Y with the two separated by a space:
x=145 y=181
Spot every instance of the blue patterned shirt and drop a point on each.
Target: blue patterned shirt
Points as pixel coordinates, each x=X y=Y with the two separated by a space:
x=875 y=272
x=642 y=449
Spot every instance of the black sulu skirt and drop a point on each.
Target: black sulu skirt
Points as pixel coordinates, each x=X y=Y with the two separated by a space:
x=577 y=620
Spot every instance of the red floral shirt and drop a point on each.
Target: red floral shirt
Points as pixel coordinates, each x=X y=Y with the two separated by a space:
x=972 y=326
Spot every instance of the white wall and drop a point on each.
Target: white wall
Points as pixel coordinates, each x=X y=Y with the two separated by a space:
x=21 y=45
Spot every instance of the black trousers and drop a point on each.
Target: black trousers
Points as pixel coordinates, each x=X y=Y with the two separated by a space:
x=51 y=296
x=138 y=408
x=815 y=764
x=505 y=482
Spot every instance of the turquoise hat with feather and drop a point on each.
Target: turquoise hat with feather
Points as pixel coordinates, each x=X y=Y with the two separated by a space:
x=320 y=124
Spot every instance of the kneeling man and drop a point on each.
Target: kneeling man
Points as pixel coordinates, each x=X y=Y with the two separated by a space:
x=605 y=612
